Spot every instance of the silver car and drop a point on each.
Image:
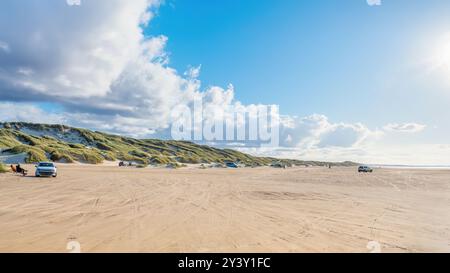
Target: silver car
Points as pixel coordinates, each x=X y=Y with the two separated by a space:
x=47 y=169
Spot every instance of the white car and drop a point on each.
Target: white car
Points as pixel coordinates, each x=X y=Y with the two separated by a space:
x=47 y=169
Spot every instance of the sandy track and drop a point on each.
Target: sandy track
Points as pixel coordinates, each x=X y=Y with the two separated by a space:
x=108 y=209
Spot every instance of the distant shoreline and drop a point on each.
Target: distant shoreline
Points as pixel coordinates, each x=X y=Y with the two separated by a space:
x=417 y=167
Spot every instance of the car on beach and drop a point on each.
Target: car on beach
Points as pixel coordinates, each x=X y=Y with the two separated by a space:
x=279 y=165
x=232 y=165
x=46 y=169
x=365 y=169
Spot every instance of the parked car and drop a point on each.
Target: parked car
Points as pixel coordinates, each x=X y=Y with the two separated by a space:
x=47 y=169
x=232 y=165
x=279 y=165
x=365 y=169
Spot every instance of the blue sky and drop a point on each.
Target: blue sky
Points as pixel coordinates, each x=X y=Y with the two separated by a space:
x=307 y=56
x=354 y=81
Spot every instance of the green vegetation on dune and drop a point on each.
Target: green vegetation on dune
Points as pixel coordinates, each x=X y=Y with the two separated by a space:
x=159 y=160
x=61 y=143
x=3 y=168
x=33 y=154
x=7 y=140
x=61 y=156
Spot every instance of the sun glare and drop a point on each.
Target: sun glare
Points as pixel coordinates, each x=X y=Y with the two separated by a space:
x=441 y=58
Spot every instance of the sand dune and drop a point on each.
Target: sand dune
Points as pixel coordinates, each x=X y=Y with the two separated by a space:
x=109 y=209
x=7 y=158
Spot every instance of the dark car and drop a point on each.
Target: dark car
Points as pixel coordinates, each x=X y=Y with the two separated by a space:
x=365 y=169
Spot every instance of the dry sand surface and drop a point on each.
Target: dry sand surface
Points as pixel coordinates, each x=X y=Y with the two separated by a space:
x=111 y=209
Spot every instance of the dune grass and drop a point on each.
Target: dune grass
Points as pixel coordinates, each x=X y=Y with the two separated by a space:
x=3 y=168
x=61 y=143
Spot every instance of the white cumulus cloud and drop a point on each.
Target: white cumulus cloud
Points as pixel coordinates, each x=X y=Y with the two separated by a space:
x=316 y=131
x=27 y=112
x=4 y=47
x=374 y=2
x=73 y=2
x=405 y=127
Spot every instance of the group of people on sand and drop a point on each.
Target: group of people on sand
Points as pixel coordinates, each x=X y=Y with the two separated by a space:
x=124 y=164
x=19 y=169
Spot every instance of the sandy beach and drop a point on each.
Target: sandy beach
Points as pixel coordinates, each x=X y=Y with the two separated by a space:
x=111 y=209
